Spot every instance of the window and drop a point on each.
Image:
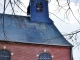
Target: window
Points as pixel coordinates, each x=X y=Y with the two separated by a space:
x=39 y=6
x=5 y=55
x=45 y=56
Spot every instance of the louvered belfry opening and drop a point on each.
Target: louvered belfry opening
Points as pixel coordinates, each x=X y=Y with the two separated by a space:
x=39 y=6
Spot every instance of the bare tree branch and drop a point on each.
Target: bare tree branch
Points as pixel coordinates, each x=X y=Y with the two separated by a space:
x=3 y=19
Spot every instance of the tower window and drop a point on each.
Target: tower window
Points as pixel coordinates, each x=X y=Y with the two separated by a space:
x=5 y=55
x=45 y=56
x=39 y=6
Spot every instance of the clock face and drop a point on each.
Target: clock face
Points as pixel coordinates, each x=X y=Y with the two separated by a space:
x=39 y=6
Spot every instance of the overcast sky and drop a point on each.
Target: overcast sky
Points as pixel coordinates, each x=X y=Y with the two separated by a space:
x=70 y=25
x=64 y=25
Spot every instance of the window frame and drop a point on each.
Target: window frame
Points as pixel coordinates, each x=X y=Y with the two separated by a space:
x=45 y=57
x=6 y=55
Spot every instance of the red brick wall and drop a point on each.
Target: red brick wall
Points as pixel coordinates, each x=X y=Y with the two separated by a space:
x=30 y=51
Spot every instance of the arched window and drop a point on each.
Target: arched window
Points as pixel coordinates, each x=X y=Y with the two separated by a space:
x=5 y=55
x=45 y=56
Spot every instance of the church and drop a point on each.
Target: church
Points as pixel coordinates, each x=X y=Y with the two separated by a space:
x=33 y=37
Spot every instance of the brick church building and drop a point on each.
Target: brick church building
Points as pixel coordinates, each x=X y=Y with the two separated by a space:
x=32 y=38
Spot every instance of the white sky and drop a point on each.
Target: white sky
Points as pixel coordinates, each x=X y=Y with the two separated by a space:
x=69 y=26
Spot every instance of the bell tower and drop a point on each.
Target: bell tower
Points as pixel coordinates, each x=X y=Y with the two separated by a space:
x=39 y=11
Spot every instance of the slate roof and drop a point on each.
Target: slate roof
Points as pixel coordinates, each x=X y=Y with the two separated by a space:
x=21 y=29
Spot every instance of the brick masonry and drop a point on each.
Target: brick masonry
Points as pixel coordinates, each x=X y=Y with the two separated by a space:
x=26 y=51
